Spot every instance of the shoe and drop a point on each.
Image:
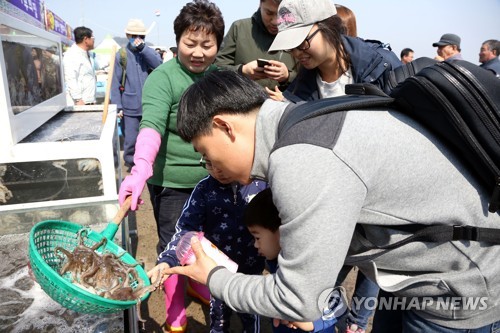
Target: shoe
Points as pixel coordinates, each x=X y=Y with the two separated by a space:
x=199 y=291
x=174 y=303
x=171 y=329
x=353 y=328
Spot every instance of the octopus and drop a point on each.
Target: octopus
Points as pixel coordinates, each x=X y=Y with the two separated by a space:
x=80 y=260
x=105 y=275
x=127 y=293
x=5 y=193
x=89 y=165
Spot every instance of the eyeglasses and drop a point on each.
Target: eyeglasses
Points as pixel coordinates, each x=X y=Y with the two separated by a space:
x=205 y=164
x=306 y=44
x=138 y=36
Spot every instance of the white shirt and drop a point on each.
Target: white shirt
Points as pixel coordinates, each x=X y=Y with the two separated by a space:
x=79 y=75
x=335 y=88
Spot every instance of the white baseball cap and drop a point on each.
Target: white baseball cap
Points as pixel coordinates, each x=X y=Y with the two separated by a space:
x=296 y=18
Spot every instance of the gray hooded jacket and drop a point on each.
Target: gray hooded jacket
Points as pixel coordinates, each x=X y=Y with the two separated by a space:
x=377 y=168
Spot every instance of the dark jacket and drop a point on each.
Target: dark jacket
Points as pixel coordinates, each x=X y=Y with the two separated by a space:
x=492 y=65
x=139 y=64
x=248 y=40
x=217 y=210
x=371 y=62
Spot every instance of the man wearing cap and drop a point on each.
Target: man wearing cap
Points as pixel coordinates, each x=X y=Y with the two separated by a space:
x=248 y=40
x=79 y=73
x=449 y=47
x=133 y=63
x=488 y=56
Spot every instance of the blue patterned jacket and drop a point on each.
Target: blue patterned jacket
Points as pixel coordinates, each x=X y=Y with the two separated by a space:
x=217 y=210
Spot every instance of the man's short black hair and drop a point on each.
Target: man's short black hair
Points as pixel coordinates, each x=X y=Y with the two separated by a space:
x=262 y=212
x=405 y=52
x=80 y=34
x=220 y=92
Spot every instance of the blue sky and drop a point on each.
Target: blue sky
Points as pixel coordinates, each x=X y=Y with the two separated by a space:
x=414 y=24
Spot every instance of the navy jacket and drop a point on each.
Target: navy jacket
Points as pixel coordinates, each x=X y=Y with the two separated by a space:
x=217 y=210
x=371 y=62
x=139 y=64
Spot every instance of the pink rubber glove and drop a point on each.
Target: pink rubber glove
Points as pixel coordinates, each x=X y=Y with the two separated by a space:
x=146 y=148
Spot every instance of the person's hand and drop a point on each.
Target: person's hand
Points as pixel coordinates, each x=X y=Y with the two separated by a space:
x=305 y=326
x=277 y=71
x=139 y=43
x=276 y=95
x=120 y=114
x=158 y=273
x=80 y=102
x=134 y=184
x=253 y=71
x=198 y=271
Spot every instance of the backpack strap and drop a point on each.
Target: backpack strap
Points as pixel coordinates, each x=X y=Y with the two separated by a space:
x=300 y=112
x=123 y=64
x=435 y=234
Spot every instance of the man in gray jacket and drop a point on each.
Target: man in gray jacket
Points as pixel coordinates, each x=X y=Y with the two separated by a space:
x=488 y=56
x=328 y=176
x=448 y=48
x=248 y=40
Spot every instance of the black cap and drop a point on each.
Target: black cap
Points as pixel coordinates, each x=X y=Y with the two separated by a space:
x=448 y=39
x=173 y=49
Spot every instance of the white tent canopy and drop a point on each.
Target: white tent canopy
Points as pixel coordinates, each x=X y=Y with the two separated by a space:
x=104 y=49
x=106 y=46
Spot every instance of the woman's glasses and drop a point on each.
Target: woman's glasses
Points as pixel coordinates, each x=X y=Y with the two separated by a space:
x=306 y=44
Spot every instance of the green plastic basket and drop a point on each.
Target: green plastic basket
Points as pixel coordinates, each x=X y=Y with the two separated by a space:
x=46 y=236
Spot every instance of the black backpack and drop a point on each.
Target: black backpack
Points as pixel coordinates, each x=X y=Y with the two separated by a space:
x=460 y=102
x=456 y=100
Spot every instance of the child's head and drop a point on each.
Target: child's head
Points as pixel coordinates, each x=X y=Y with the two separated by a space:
x=199 y=30
x=263 y=221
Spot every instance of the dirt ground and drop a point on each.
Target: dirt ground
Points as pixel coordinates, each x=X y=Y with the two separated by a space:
x=153 y=311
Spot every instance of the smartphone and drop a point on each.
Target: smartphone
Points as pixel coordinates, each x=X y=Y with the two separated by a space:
x=263 y=62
